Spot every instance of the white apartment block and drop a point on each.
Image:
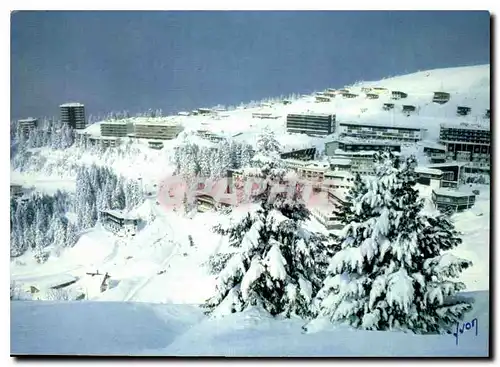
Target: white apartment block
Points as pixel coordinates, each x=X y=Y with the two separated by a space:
x=119 y=129
x=380 y=131
x=159 y=129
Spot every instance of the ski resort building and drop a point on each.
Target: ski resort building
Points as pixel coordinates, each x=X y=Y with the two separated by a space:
x=107 y=141
x=354 y=145
x=452 y=172
x=396 y=94
x=338 y=179
x=441 y=97
x=467 y=143
x=118 y=129
x=487 y=114
x=155 y=144
x=388 y=106
x=322 y=98
x=409 y=109
x=372 y=96
x=73 y=114
x=119 y=222
x=349 y=95
x=379 y=131
x=429 y=177
x=342 y=164
x=436 y=152
x=295 y=164
x=204 y=111
x=210 y=136
x=206 y=202
x=314 y=171
x=324 y=215
x=463 y=110
x=157 y=129
x=311 y=124
x=306 y=154
x=446 y=199
x=26 y=125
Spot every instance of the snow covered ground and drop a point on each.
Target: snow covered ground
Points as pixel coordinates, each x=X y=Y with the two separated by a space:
x=123 y=328
x=162 y=270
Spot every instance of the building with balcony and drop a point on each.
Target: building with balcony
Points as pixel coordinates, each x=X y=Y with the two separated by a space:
x=452 y=173
x=118 y=128
x=408 y=109
x=73 y=114
x=388 y=106
x=311 y=124
x=158 y=145
x=322 y=99
x=429 y=177
x=463 y=110
x=26 y=125
x=355 y=145
x=207 y=202
x=119 y=222
x=436 y=152
x=306 y=154
x=380 y=131
x=157 y=128
x=454 y=200
x=338 y=179
x=313 y=171
x=210 y=136
x=342 y=164
x=396 y=94
x=349 y=95
x=441 y=97
x=467 y=143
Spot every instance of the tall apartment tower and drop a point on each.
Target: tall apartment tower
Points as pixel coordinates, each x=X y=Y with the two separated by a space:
x=73 y=114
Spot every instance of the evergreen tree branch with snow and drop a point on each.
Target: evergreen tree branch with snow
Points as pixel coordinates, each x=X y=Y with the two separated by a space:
x=393 y=271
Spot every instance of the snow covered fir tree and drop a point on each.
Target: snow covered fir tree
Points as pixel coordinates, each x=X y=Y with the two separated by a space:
x=393 y=271
x=276 y=263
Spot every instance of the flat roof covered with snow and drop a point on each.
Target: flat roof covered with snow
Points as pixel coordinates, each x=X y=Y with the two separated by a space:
x=388 y=125
x=340 y=161
x=339 y=174
x=72 y=104
x=29 y=119
x=463 y=126
x=428 y=170
x=357 y=141
x=119 y=214
x=453 y=193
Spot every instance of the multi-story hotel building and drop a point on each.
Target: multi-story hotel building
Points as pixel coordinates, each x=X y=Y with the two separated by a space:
x=119 y=129
x=157 y=129
x=467 y=143
x=310 y=124
x=73 y=114
x=26 y=125
x=380 y=131
x=352 y=145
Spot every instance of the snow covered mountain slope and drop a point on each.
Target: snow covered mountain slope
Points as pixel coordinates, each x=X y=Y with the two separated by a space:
x=163 y=244
x=113 y=328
